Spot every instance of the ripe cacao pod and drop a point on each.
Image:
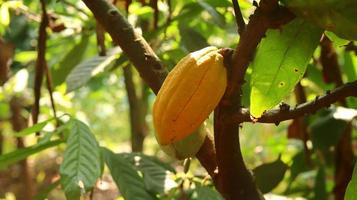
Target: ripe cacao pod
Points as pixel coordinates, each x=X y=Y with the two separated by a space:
x=188 y=95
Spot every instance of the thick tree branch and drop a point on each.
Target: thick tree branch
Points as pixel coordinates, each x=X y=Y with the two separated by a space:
x=233 y=176
x=279 y=115
x=134 y=45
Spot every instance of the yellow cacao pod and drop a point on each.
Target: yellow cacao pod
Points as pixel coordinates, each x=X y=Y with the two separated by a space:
x=188 y=95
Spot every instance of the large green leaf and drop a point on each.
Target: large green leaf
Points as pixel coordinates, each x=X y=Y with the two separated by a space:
x=70 y=60
x=15 y=156
x=269 y=175
x=327 y=129
x=338 y=16
x=280 y=63
x=351 y=191
x=84 y=71
x=157 y=177
x=81 y=165
x=128 y=180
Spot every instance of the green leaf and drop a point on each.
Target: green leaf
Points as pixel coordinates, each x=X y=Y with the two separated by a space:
x=320 y=185
x=191 y=39
x=33 y=129
x=81 y=165
x=217 y=17
x=84 y=71
x=337 y=41
x=280 y=62
x=157 y=178
x=337 y=16
x=351 y=191
x=298 y=166
x=349 y=68
x=128 y=180
x=315 y=75
x=326 y=130
x=222 y=3
x=4 y=15
x=20 y=154
x=207 y=193
x=269 y=175
x=4 y=110
x=42 y=195
x=70 y=60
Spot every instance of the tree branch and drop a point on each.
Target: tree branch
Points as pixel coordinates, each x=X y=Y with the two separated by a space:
x=40 y=62
x=233 y=176
x=239 y=17
x=279 y=115
x=134 y=45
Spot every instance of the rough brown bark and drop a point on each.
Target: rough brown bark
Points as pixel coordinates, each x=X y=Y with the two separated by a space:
x=233 y=176
x=279 y=115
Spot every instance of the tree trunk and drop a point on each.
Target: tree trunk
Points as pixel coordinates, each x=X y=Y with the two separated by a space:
x=137 y=111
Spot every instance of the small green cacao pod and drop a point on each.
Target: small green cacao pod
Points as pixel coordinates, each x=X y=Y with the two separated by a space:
x=186 y=147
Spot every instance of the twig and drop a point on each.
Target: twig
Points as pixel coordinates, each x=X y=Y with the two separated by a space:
x=40 y=62
x=239 y=17
x=279 y=115
x=50 y=91
x=156 y=12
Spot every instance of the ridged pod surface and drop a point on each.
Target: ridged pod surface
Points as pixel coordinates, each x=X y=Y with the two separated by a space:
x=189 y=94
